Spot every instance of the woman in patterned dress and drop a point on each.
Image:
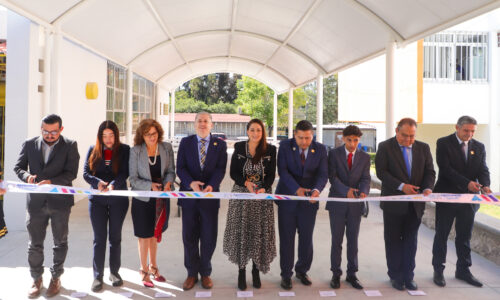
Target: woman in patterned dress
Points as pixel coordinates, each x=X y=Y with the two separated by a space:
x=249 y=232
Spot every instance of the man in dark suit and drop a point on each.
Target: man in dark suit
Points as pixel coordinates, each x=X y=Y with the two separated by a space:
x=201 y=165
x=48 y=159
x=349 y=173
x=462 y=170
x=404 y=166
x=303 y=171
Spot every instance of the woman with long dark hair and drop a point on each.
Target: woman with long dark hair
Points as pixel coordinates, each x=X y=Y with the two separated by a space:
x=151 y=167
x=249 y=232
x=106 y=169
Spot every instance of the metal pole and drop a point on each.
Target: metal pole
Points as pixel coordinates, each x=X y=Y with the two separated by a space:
x=319 y=109
x=167 y=116
x=275 y=117
x=290 y=113
x=130 y=82
x=172 y=115
x=389 y=89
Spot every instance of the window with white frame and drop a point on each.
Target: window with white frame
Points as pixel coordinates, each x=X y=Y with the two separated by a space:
x=116 y=105
x=456 y=56
x=142 y=100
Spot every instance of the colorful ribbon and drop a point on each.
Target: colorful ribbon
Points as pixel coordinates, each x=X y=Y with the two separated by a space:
x=18 y=187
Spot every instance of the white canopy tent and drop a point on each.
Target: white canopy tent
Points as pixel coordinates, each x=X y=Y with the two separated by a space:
x=282 y=43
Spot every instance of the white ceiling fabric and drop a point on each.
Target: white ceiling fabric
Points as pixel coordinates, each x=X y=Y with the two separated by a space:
x=283 y=43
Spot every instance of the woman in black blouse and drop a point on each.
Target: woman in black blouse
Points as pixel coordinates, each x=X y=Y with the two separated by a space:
x=249 y=232
x=106 y=168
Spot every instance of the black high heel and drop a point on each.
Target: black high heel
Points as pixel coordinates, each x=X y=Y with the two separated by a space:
x=242 y=280
x=255 y=277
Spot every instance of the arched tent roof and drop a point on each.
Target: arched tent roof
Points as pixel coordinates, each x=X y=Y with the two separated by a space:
x=283 y=43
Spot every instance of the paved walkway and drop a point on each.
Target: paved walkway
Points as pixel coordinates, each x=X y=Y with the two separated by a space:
x=15 y=280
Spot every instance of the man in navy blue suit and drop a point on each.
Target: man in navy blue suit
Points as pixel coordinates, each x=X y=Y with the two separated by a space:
x=303 y=171
x=349 y=173
x=201 y=165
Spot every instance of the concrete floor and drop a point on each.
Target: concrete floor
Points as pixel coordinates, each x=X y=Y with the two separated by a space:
x=15 y=280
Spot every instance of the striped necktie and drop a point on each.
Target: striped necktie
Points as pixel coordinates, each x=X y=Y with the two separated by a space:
x=203 y=152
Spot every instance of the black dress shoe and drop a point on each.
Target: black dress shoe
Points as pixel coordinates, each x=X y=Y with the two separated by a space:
x=286 y=283
x=303 y=278
x=469 y=278
x=354 y=281
x=96 y=285
x=116 y=279
x=411 y=285
x=335 y=282
x=439 y=279
x=398 y=285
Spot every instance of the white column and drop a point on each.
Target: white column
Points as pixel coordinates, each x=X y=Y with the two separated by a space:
x=172 y=114
x=55 y=78
x=275 y=117
x=493 y=152
x=23 y=105
x=319 y=109
x=389 y=89
x=130 y=85
x=290 y=113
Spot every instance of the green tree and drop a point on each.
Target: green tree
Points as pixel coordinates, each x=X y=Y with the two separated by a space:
x=256 y=100
x=203 y=88
x=185 y=104
x=213 y=88
x=222 y=108
x=330 y=101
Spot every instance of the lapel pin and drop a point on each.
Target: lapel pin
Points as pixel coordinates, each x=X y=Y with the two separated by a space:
x=215 y=143
x=293 y=148
x=472 y=152
x=312 y=151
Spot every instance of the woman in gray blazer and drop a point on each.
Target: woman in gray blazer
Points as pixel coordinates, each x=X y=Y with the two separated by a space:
x=151 y=168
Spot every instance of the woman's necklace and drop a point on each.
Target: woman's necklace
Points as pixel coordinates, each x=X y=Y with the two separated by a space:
x=154 y=160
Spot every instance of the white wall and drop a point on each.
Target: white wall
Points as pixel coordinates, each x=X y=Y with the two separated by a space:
x=22 y=104
x=3 y=22
x=362 y=88
x=444 y=103
x=81 y=117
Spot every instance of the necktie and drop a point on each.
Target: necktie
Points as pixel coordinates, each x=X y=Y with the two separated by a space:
x=203 y=153
x=302 y=157
x=407 y=161
x=349 y=160
x=464 y=150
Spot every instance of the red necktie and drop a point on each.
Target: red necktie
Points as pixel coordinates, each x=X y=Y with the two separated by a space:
x=349 y=160
x=302 y=157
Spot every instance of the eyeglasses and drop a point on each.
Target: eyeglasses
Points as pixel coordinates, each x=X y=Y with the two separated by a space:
x=54 y=132
x=151 y=134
